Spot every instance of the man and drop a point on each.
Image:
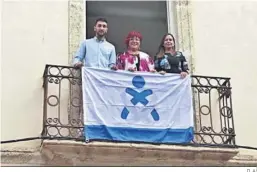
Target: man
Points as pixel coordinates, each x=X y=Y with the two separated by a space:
x=96 y=52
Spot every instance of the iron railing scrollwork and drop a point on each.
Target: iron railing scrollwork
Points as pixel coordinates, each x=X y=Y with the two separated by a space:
x=63 y=110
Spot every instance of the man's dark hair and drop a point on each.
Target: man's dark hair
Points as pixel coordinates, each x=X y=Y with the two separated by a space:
x=101 y=19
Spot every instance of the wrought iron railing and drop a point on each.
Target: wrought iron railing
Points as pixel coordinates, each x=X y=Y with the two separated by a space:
x=63 y=112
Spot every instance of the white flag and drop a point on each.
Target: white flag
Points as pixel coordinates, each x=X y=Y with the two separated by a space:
x=137 y=106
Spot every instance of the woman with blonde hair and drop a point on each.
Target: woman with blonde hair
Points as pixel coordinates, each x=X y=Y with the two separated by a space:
x=133 y=59
x=168 y=60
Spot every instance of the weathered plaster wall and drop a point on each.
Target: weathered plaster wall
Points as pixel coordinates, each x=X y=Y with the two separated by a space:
x=77 y=30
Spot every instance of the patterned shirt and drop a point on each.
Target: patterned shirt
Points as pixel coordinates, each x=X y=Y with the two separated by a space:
x=140 y=62
x=171 y=63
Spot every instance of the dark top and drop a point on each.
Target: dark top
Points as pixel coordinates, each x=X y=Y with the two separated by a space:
x=171 y=63
x=138 y=62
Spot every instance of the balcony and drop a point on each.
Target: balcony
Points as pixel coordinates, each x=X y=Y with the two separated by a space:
x=63 y=117
x=63 y=112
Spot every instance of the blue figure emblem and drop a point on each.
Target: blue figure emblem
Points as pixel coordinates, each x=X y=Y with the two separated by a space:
x=139 y=97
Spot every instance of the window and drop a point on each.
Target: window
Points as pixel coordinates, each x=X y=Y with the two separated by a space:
x=148 y=17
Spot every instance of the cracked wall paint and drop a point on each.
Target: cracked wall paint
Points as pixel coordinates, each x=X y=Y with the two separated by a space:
x=76 y=31
x=185 y=35
x=76 y=25
x=186 y=45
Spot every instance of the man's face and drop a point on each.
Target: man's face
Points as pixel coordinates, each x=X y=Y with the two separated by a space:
x=101 y=28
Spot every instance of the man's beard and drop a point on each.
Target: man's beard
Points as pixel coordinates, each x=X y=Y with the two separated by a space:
x=100 y=35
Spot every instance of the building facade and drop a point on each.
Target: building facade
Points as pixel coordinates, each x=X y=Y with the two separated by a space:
x=218 y=38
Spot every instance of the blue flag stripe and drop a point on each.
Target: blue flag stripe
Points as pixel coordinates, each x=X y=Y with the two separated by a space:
x=138 y=134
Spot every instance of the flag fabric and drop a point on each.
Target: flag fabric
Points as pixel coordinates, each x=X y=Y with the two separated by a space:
x=137 y=106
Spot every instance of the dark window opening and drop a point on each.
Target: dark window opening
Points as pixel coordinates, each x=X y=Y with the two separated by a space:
x=147 y=17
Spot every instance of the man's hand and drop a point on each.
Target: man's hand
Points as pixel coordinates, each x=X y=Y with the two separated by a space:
x=114 y=68
x=78 y=64
x=183 y=74
x=153 y=71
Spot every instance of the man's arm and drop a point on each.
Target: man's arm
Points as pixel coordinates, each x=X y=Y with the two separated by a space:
x=80 y=54
x=112 y=61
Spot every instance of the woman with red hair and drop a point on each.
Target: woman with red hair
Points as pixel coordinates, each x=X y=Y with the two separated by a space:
x=134 y=59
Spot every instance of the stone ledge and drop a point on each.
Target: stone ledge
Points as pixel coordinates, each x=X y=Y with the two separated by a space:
x=71 y=153
x=133 y=154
